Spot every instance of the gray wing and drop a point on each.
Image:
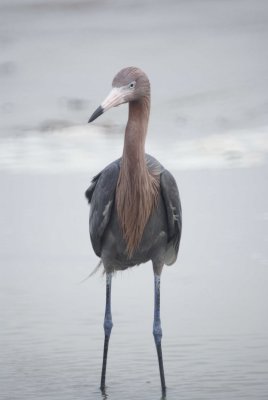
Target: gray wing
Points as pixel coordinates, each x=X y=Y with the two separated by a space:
x=172 y=202
x=101 y=195
x=153 y=165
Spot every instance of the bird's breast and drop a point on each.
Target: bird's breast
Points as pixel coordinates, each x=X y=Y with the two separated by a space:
x=152 y=242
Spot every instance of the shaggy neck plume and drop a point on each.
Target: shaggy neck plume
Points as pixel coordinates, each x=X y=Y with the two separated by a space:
x=137 y=189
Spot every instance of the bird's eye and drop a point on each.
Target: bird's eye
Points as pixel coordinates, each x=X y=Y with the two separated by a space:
x=132 y=85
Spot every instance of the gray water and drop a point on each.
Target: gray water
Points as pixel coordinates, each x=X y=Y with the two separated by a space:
x=207 y=62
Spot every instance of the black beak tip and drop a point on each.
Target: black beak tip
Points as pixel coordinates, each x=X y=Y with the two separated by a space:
x=96 y=114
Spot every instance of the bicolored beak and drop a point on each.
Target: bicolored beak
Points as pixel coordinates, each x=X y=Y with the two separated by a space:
x=114 y=98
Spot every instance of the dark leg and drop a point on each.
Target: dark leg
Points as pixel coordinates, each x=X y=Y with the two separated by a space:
x=157 y=330
x=108 y=324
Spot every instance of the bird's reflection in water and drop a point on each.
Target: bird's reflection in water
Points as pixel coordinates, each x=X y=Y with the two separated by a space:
x=105 y=396
x=163 y=397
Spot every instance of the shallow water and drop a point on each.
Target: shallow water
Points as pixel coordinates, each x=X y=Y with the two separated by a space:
x=212 y=102
x=214 y=301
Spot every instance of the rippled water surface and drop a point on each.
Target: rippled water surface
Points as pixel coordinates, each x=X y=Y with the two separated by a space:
x=207 y=62
x=214 y=300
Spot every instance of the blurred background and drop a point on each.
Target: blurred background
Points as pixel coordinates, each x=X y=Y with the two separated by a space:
x=207 y=62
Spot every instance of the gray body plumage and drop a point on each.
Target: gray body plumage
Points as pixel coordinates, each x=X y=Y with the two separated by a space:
x=161 y=236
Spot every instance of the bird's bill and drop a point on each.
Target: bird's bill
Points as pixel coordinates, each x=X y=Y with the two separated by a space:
x=114 y=98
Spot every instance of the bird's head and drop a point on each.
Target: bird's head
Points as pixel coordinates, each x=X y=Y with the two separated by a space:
x=130 y=84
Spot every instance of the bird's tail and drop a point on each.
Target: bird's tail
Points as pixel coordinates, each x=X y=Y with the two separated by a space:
x=93 y=272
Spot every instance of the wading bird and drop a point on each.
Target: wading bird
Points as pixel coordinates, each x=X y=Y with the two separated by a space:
x=135 y=210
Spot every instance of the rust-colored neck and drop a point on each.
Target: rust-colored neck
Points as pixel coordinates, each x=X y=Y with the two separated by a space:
x=137 y=190
x=135 y=134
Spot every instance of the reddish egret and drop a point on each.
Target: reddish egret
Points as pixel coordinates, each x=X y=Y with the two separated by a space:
x=135 y=213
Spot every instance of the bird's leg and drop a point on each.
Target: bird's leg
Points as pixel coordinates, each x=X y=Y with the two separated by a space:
x=108 y=324
x=157 y=330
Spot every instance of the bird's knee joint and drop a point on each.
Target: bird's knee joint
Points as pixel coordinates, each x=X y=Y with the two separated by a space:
x=108 y=324
x=157 y=332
